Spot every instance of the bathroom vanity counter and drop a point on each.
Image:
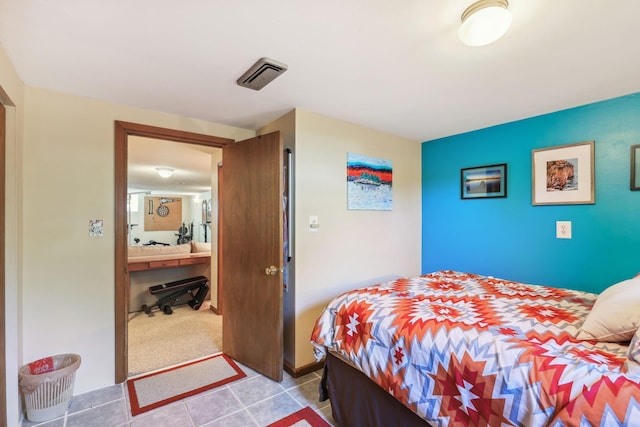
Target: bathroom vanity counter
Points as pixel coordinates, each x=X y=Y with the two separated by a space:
x=168 y=261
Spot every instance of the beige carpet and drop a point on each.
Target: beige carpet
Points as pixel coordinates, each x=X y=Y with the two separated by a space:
x=159 y=340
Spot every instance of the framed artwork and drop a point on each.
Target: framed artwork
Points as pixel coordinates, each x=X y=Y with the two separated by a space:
x=635 y=167
x=162 y=213
x=563 y=175
x=369 y=183
x=205 y=211
x=483 y=182
x=96 y=228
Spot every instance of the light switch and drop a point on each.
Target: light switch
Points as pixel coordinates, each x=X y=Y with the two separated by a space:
x=314 y=223
x=563 y=229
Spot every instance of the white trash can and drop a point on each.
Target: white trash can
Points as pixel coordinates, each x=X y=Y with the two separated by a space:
x=47 y=385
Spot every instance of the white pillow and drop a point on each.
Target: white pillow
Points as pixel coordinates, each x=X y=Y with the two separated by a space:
x=616 y=314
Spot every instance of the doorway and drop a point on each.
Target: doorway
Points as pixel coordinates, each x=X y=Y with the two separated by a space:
x=123 y=130
x=187 y=200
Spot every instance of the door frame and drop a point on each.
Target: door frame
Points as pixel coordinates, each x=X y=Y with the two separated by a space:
x=122 y=132
x=3 y=335
x=218 y=309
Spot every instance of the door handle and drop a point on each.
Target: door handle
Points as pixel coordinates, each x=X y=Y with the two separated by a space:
x=271 y=271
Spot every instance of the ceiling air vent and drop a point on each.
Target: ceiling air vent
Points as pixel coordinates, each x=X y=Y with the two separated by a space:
x=261 y=73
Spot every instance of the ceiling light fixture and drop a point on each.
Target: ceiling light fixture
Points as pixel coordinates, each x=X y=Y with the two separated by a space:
x=484 y=22
x=165 y=172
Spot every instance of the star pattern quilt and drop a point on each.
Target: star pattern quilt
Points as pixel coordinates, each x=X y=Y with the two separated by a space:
x=461 y=349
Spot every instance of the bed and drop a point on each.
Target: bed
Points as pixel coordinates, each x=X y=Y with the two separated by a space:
x=459 y=349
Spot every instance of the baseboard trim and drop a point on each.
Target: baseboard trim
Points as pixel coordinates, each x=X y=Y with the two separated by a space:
x=303 y=370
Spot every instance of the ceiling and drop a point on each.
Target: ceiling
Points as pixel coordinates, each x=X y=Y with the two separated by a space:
x=191 y=166
x=396 y=67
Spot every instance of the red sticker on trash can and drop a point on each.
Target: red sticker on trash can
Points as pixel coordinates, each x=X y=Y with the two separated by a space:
x=41 y=366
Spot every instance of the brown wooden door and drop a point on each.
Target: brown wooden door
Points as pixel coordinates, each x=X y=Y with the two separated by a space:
x=252 y=242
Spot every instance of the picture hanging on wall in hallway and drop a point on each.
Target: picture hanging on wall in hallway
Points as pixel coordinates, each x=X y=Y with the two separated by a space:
x=564 y=175
x=369 y=183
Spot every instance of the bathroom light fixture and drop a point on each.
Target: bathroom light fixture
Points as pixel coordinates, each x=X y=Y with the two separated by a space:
x=484 y=22
x=165 y=172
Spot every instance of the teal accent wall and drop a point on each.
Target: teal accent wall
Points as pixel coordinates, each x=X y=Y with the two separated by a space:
x=512 y=239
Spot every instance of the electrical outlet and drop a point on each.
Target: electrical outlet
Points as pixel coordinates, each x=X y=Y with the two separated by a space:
x=563 y=229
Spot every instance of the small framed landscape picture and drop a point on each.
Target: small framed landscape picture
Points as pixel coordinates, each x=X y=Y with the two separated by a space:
x=483 y=182
x=563 y=175
x=635 y=167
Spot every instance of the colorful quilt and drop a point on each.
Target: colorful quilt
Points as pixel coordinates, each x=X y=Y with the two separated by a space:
x=460 y=349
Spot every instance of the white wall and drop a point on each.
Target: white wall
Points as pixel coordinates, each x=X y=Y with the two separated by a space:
x=351 y=247
x=68 y=283
x=12 y=96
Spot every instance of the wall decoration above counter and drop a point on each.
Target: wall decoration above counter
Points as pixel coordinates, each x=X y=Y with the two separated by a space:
x=206 y=211
x=162 y=213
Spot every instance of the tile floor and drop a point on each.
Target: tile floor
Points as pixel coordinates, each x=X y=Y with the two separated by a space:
x=250 y=402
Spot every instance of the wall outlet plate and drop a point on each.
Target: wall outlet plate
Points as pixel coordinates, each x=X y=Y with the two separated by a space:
x=563 y=229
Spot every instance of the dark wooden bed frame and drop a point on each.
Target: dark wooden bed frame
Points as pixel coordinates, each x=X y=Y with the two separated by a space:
x=358 y=401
